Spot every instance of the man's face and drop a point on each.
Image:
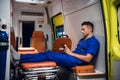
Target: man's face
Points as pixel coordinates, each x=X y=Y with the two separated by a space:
x=85 y=30
x=4 y=26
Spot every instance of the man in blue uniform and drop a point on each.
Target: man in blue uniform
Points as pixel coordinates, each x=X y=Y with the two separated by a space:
x=3 y=50
x=86 y=49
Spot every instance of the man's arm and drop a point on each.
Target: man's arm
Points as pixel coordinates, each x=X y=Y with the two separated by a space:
x=86 y=58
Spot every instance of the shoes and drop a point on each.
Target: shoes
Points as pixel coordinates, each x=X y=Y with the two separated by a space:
x=14 y=62
x=14 y=56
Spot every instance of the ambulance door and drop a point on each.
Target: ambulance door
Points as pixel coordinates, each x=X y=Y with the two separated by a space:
x=111 y=10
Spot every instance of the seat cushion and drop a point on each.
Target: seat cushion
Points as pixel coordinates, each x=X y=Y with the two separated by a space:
x=27 y=50
x=38 y=41
x=59 y=42
x=84 y=69
x=38 y=64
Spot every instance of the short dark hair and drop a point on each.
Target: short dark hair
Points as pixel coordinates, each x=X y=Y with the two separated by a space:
x=4 y=26
x=89 y=24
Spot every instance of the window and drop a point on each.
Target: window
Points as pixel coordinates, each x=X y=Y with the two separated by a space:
x=59 y=31
x=58 y=25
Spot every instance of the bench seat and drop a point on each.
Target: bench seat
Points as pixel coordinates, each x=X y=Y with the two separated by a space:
x=96 y=73
x=87 y=70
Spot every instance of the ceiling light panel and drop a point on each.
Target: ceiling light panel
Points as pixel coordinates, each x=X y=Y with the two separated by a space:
x=31 y=1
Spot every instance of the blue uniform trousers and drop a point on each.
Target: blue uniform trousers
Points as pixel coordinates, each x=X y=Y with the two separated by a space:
x=62 y=59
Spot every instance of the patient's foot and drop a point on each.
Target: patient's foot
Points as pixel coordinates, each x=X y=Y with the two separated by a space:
x=14 y=54
x=14 y=62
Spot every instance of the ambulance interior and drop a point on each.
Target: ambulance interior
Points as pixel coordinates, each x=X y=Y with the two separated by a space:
x=60 y=17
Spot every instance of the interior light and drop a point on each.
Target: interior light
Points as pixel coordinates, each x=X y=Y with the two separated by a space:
x=31 y=1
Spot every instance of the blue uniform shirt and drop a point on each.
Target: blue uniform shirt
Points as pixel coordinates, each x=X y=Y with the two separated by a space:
x=3 y=36
x=90 y=45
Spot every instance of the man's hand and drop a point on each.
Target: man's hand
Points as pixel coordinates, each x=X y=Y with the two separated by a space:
x=67 y=50
x=86 y=58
